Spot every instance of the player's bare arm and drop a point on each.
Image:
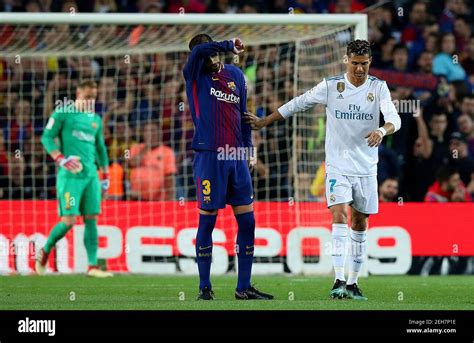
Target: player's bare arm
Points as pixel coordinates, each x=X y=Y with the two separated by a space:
x=303 y=102
x=375 y=137
x=258 y=123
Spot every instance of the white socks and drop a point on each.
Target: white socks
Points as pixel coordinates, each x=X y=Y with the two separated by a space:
x=357 y=248
x=339 y=249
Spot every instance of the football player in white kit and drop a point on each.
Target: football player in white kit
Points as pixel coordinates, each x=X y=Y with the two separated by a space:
x=353 y=103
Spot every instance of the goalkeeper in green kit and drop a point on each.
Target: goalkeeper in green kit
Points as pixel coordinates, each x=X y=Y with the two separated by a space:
x=74 y=139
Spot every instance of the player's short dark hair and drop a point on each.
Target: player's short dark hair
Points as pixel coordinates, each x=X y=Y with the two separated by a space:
x=359 y=47
x=444 y=173
x=87 y=84
x=199 y=39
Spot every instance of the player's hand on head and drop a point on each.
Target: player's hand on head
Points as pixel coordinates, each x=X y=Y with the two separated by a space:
x=70 y=163
x=238 y=46
x=255 y=122
x=374 y=138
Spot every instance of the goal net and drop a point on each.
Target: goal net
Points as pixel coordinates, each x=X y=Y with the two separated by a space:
x=149 y=220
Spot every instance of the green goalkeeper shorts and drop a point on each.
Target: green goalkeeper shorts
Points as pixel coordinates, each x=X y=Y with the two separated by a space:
x=78 y=196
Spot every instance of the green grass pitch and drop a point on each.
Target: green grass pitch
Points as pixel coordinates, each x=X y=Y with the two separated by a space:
x=138 y=292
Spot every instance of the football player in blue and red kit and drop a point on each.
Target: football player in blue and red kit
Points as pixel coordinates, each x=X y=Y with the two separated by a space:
x=217 y=97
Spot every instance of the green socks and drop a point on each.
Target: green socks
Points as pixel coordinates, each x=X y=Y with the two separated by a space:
x=58 y=232
x=91 y=240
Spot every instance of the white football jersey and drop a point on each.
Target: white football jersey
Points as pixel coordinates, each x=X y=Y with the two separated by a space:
x=352 y=112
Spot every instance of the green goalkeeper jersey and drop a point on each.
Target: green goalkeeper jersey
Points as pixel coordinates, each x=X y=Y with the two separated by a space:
x=79 y=134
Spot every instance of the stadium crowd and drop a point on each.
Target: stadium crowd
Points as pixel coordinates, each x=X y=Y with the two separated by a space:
x=425 y=53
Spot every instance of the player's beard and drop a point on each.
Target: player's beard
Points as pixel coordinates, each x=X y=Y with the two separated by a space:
x=215 y=67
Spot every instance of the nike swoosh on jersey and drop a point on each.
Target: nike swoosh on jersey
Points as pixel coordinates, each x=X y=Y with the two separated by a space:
x=204 y=248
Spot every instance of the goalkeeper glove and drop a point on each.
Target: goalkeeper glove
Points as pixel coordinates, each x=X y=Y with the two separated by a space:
x=105 y=183
x=71 y=163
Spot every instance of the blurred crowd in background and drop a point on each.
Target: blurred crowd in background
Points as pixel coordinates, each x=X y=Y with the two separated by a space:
x=425 y=52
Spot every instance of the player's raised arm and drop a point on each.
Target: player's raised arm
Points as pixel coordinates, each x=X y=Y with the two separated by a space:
x=391 y=118
x=205 y=54
x=316 y=95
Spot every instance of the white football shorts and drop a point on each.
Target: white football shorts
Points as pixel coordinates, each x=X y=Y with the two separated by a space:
x=361 y=192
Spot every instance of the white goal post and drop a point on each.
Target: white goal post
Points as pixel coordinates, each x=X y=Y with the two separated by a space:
x=358 y=20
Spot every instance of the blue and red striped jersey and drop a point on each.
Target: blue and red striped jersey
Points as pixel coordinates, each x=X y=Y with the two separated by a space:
x=217 y=100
